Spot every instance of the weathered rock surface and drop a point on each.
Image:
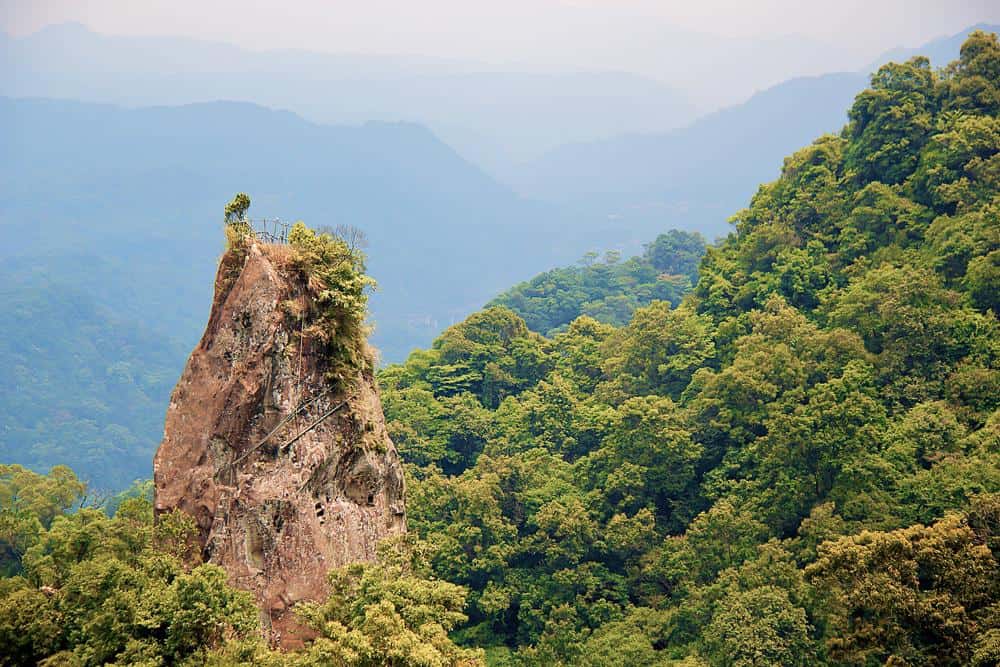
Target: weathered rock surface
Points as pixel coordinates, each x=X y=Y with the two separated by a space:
x=285 y=475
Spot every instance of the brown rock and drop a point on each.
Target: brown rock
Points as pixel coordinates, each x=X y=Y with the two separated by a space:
x=286 y=473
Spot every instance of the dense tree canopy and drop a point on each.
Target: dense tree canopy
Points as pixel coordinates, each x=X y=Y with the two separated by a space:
x=608 y=289
x=92 y=590
x=793 y=466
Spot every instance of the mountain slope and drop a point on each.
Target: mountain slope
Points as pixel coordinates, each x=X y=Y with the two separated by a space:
x=83 y=387
x=608 y=290
x=699 y=174
x=799 y=465
x=694 y=177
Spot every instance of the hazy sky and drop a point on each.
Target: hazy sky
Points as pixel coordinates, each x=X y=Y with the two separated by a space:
x=715 y=52
x=558 y=32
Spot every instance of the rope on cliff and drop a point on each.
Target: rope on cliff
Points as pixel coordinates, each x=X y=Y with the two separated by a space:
x=302 y=344
x=291 y=415
x=313 y=425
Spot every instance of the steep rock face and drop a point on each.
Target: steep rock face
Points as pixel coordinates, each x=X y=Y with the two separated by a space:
x=286 y=473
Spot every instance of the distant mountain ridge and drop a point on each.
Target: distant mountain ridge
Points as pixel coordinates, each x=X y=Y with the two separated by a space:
x=489 y=114
x=148 y=185
x=698 y=175
x=112 y=220
x=940 y=51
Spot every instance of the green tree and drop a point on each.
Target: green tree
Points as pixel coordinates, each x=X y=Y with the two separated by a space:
x=648 y=458
x=338 y=298
x=387 y=613
x=28 y=504
x=236 y=210
x=923 y=595
x=677 y=252
x=983 y=279
x=756 y=628
x=98 y=591
x=783 y=469
x=891 y=121
x=659 y=350
x=972 y=80
x=608 y=291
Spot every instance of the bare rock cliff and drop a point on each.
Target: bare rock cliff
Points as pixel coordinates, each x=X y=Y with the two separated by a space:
x=286 y=472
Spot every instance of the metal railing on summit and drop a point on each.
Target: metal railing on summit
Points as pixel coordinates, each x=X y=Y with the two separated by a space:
x=270 y=230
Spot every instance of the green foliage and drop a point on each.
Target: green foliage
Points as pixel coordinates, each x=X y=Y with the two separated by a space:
x=659 y=350
x=759 y=627
x=98 y=591
x=677 y=253
x=338 y=287
x=746 y=479
x=237 y=226
x=140 y=488
x=919 y=595
x=44 y=496
x=972 y=80
x=609 y=291
x=983 y=281
x=236 y=210
x=647 y=459
x=891 y=122
x=387 y=613
x=28 y=504
x=438 y=405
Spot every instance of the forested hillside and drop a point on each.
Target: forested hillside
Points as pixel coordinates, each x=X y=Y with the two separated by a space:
x=792 y=467
x=84 y=387
x=798 y=464
x=607 y=288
